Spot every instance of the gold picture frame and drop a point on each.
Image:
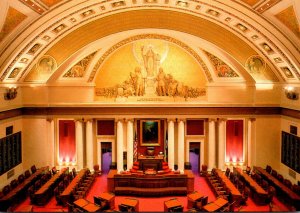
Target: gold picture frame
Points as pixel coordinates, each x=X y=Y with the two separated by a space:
x=150 y=132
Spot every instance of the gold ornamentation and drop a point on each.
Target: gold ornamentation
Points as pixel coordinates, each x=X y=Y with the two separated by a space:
x=267 y=48
x=46 y=38
x=287 y=72
x=24 y=60
x=213 y=12
x=255 y=64
x=87 y=13
x=59 y=28
x=221 y=69
x=13 y=19
x=118 y=4
x=241 y=27
x=278 y=60
x=15 y=72
x=182 y=4
x=34 y=49
x=78 y=70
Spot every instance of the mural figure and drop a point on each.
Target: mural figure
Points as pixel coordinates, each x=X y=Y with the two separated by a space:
x=46 y=65
x=161 y=86
x=255 y=64
x=139 y=82
x=151 y=60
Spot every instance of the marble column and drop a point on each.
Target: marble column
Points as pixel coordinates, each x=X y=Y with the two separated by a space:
x=222 y=140
x=129 y=144
x=211 y=144
x=89 y=144
x=79 y=143
x=181 y=145
x=249 y=140
x=51 y=141
x=120 y=146
x=171 y=144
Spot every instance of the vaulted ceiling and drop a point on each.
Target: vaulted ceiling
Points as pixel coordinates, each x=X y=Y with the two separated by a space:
x=254 y=41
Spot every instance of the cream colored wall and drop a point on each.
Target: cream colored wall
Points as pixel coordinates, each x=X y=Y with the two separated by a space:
x=216 y=94
x=267 y=142
x=285 y=126
x=17 y=126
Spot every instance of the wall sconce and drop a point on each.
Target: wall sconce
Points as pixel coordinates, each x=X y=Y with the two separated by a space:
x=291 y=93
x=11 y=93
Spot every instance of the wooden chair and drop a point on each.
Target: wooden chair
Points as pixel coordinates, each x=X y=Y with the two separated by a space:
x=97 y=170
x=274 y=173
x=33 y=169
x=227 y=172
x=6 y=189
x=245 y=195
x=21 y=178
x=37 y=185
x=268 y=168
x=288 y=183
x=248 y=170
x=54 y=170
x=265 y=184
x=13 y=184
x=280 y=178
x=203 y=171
x=27 y=174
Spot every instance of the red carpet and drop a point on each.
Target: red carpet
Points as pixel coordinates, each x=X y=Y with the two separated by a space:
x=151 y=204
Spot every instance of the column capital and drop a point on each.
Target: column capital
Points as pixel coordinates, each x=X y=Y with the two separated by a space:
x=119 y=120
x=79 y=119
x=222 y=119
x=85 y=120
x=129 y=120
x=171 y=119
x=212 y=119
x=181 y=119
x=252 y=119
x=49 y=119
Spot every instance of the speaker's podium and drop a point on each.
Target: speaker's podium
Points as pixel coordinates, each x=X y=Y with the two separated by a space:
x=151 y=162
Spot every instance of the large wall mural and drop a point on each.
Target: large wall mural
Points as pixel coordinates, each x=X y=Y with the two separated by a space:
x=150 y=68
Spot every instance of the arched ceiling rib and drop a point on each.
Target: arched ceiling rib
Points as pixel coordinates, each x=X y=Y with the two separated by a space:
x=221 y=23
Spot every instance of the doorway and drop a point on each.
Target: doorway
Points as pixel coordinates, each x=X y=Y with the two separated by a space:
x=195 y=156
x=106 y=159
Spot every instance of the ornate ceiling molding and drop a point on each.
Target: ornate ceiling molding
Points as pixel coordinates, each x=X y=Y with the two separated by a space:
x=83 y=14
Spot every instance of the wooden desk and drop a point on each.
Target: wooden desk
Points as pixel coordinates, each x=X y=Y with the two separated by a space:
x=211 y=207
x=131 y=202
x=20 y=192
x=43 y=195
x=236 y=195
x=281 y=189
x=192 y=198
x=86 y=205
x=65 y=195
x=221 y=202
x=170 y=204
x=109 y=197
x=258 y=193
x=216 y=205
